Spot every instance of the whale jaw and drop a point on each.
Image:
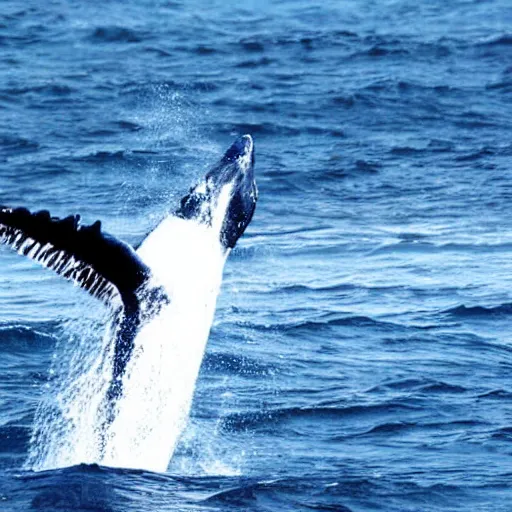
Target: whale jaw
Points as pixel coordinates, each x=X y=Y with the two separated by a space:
x=228 y=192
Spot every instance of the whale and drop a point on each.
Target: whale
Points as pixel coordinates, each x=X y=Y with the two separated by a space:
x=146 y=286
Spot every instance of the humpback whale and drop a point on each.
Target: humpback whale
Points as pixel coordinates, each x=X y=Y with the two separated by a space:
x=134 y=281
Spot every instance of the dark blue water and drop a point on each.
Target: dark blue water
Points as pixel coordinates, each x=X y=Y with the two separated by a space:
x=361 y=356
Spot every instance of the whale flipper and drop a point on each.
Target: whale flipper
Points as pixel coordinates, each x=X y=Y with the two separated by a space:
x=105 y=266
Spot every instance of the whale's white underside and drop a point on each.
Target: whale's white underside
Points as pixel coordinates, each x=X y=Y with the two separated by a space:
x=187 y=259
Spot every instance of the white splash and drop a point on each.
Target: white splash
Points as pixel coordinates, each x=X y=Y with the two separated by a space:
x=185 y=257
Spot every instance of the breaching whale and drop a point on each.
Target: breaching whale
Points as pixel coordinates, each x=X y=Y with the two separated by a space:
x=135 y=281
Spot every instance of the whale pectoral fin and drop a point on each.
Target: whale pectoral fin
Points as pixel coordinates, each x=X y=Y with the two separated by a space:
x=106 y=267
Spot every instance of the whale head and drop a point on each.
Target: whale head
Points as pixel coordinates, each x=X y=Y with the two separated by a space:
x=226 y=198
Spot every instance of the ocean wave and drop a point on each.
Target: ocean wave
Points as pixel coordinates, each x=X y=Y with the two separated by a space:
x=268 y=419
x=252 y=45
x=281 y=231
x=14 y=438
x=406 y=151
x=101 y=156
x=352 y=44
x=203 y=49
x=504 y=86
x=430 y=247
x=479 y=311
x=336 y=171
x=327 y=321
x=20 y=338
x=248 y=491
x=346 y=101
x=266 y=128
x=419 y=385
x=115 y=34
x=303 y=288
x=388 y=428
x=392 y=428
x=443 y=388
x=476 y=155
x=51 y=88
x=503 y=434
x=498 y=394
x=256 y=63
x=303 y=39
x=501 y=40
x=473 y=119
x=441 y=146
x=128 y=126
x=10 y=143
x=408 y=86
x=338 y=493
x=383 y=50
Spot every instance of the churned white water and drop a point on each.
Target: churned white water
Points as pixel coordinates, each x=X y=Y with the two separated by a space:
x=185 y=257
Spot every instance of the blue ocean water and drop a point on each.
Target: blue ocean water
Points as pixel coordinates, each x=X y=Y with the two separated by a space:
x=361 y=357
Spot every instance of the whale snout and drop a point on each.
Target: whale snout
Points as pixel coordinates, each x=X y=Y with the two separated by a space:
x=237 y=171
x=241 y=152
x=228 y=192
x=242 y=148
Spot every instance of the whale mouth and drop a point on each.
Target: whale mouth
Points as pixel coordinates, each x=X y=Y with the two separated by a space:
x=228 y=193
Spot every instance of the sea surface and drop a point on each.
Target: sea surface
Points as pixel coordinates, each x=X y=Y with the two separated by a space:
x=361 y=353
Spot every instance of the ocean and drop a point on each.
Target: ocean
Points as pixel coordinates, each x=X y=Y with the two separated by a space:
x=360 y=358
